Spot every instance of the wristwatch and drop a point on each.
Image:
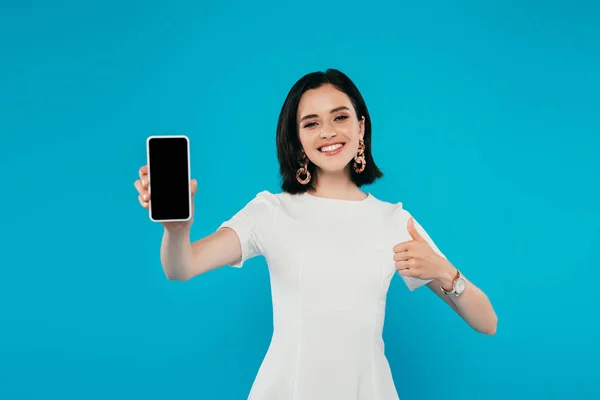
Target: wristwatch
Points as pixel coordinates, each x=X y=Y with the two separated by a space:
x=458 y=286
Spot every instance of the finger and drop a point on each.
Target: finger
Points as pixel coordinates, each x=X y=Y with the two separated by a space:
x=412 y=230
x=403 y=256
x=143 y=202
x=143 y=191
x=404 y=246
x=138 y=185
x=407 y=264
x=144 y=176
x=194 y=186
x=143 y=194
x=401 y=265
x=411 y=272
x=143 y=171
x=144 y=180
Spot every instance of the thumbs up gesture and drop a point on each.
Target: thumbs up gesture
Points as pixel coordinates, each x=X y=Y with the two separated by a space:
x=417 y=259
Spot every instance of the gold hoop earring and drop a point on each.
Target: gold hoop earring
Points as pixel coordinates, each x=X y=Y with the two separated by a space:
x=359 y=159
x=303 y=171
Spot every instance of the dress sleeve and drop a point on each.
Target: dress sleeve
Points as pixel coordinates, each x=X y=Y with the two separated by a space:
x=402 y=217
x=252 y=224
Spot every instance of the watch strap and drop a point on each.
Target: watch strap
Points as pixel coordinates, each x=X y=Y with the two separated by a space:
x=453 y=291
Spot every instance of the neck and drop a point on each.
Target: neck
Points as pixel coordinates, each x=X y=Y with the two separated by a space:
x=337 y=186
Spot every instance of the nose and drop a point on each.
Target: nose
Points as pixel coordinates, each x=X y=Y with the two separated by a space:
x=327 y=135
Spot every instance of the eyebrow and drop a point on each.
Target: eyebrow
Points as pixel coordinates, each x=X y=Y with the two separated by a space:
x=331 y=112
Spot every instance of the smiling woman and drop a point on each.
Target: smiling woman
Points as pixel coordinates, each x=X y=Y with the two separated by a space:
x=324 y=109
x=329 y=281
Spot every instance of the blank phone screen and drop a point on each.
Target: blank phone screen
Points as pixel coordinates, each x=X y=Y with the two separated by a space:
x=168 y=166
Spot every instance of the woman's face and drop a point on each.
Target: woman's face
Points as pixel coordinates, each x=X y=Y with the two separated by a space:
x=328 y=127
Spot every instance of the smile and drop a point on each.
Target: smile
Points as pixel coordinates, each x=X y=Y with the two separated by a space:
x=331 y=149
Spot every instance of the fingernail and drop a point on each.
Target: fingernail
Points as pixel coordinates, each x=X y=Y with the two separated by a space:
x=144 y=182
x=145 y=197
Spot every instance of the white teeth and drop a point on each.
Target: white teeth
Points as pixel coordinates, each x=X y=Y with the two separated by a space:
x=331 y=148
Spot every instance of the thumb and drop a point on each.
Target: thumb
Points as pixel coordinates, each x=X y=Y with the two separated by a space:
x=413 y=230
x=193 y=186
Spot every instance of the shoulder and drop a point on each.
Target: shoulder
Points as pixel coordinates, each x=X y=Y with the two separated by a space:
x=265 y=204
x=389 y=209
x=264 y=200
x=268 y=198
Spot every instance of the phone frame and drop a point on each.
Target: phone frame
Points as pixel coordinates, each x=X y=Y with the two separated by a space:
x=187 y=139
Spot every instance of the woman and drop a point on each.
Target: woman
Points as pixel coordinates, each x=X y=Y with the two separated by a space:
x=331 y=250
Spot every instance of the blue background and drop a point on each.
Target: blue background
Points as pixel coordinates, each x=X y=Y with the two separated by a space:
x=486 y=124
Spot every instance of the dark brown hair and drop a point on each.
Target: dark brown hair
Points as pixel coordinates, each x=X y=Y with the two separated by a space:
x=289 y=148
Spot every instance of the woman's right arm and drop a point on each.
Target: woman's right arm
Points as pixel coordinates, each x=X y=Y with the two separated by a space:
x=181 y=259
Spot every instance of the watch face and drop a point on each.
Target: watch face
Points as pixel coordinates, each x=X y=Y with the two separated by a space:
x=460 y=285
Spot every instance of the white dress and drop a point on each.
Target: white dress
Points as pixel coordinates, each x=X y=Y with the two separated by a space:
x=330 y=264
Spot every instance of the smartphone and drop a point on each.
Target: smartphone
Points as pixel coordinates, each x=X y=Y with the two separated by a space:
x=169 y=178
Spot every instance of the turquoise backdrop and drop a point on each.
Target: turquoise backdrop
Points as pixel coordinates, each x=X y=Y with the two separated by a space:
x=486 y=123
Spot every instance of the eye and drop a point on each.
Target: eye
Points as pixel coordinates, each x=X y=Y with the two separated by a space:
x=310 y=125
x=341 y=117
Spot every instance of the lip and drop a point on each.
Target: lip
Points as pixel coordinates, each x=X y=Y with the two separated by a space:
x=331 y=153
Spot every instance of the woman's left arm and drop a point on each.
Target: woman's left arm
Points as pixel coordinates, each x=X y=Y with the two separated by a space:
x=472 y=305
x=417 y=259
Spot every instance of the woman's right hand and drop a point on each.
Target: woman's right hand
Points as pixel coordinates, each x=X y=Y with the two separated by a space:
x=144 y=197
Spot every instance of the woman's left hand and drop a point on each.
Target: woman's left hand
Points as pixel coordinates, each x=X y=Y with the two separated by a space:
x=417 y=259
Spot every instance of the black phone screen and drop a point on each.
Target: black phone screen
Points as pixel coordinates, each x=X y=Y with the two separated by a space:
x=168 y=166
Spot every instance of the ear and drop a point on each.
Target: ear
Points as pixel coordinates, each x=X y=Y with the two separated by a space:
x=361 y=127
